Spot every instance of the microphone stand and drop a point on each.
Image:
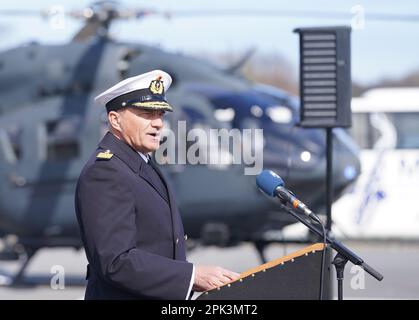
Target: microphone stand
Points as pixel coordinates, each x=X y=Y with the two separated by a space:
x=343 y=253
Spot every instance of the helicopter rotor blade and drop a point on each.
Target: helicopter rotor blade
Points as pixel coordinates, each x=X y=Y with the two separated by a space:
x=242 y=61
x=122 y=13
x=20 y=12
x=289 y=13
x=99 y=16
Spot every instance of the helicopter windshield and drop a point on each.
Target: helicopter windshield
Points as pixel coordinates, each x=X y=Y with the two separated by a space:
x=248 y=109
x=256 y=109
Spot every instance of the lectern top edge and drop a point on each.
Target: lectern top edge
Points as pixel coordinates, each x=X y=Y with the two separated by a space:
x=273 y=263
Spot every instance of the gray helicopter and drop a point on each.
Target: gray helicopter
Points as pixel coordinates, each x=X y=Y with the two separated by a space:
x=49 y=126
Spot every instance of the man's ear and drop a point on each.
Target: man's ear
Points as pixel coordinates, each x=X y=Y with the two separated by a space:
x=114 y=119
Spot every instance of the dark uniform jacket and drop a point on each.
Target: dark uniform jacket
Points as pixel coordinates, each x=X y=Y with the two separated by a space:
x=130 y=227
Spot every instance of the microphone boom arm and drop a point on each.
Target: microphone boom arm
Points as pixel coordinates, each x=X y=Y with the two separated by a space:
x=336 y=245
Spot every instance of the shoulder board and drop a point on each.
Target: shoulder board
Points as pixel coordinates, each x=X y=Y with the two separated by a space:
x=106 y=155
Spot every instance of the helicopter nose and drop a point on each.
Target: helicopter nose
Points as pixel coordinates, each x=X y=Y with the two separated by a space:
x=301 y=161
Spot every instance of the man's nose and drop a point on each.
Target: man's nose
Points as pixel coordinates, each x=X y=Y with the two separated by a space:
x=157 y=122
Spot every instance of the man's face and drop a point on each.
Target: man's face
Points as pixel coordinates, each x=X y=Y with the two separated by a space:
x=141 y=129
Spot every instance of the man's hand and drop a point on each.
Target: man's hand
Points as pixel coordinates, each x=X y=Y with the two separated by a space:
x=210 y=277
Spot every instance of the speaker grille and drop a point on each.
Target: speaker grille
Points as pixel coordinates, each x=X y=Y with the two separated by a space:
x=322 y=57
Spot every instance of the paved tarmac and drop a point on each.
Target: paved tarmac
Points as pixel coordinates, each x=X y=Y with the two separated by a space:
x=398 y=262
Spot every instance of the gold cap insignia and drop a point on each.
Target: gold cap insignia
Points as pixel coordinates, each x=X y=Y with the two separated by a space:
x=156 y=86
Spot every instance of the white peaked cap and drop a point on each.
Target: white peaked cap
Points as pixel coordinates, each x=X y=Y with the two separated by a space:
x=145 y=91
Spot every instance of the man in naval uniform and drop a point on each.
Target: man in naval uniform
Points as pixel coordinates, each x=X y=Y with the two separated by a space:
x=130 y=225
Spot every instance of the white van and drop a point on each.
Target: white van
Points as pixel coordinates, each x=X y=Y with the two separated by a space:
x=384 y=202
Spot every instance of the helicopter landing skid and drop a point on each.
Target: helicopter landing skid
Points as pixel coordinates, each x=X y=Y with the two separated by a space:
x=262 y=244
x=18 y=279
x=260 y=248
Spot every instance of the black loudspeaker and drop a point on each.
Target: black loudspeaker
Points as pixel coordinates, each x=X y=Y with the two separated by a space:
x=292 y=277
x=325 y=77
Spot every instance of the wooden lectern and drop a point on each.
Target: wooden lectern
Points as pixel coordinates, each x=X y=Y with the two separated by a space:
x=294 y=276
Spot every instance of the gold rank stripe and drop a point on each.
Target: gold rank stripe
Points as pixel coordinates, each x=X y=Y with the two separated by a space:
x=104 y=155
x=153 y=105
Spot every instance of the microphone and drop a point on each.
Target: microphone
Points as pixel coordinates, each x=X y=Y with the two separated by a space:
x=272 y=184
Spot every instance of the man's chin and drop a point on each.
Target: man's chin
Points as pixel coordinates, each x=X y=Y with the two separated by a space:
x=152 y=148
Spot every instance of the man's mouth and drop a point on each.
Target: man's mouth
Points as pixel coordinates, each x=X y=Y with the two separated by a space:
x=155 y=134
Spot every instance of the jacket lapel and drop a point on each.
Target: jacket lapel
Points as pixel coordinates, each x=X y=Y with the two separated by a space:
x=170 y=200
x=131 y=158
x=173 y=208
x=146 y=175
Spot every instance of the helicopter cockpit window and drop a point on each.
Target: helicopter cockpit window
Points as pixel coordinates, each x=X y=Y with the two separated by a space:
x=224 y=115
x=193 y=119
x=261 y=109
x=192 y=115
x=279 y=114
x=124 y=64
x=62 y=139
x=11 y=143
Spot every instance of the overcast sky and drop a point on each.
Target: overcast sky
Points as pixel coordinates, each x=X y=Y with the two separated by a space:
x=379 y=48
